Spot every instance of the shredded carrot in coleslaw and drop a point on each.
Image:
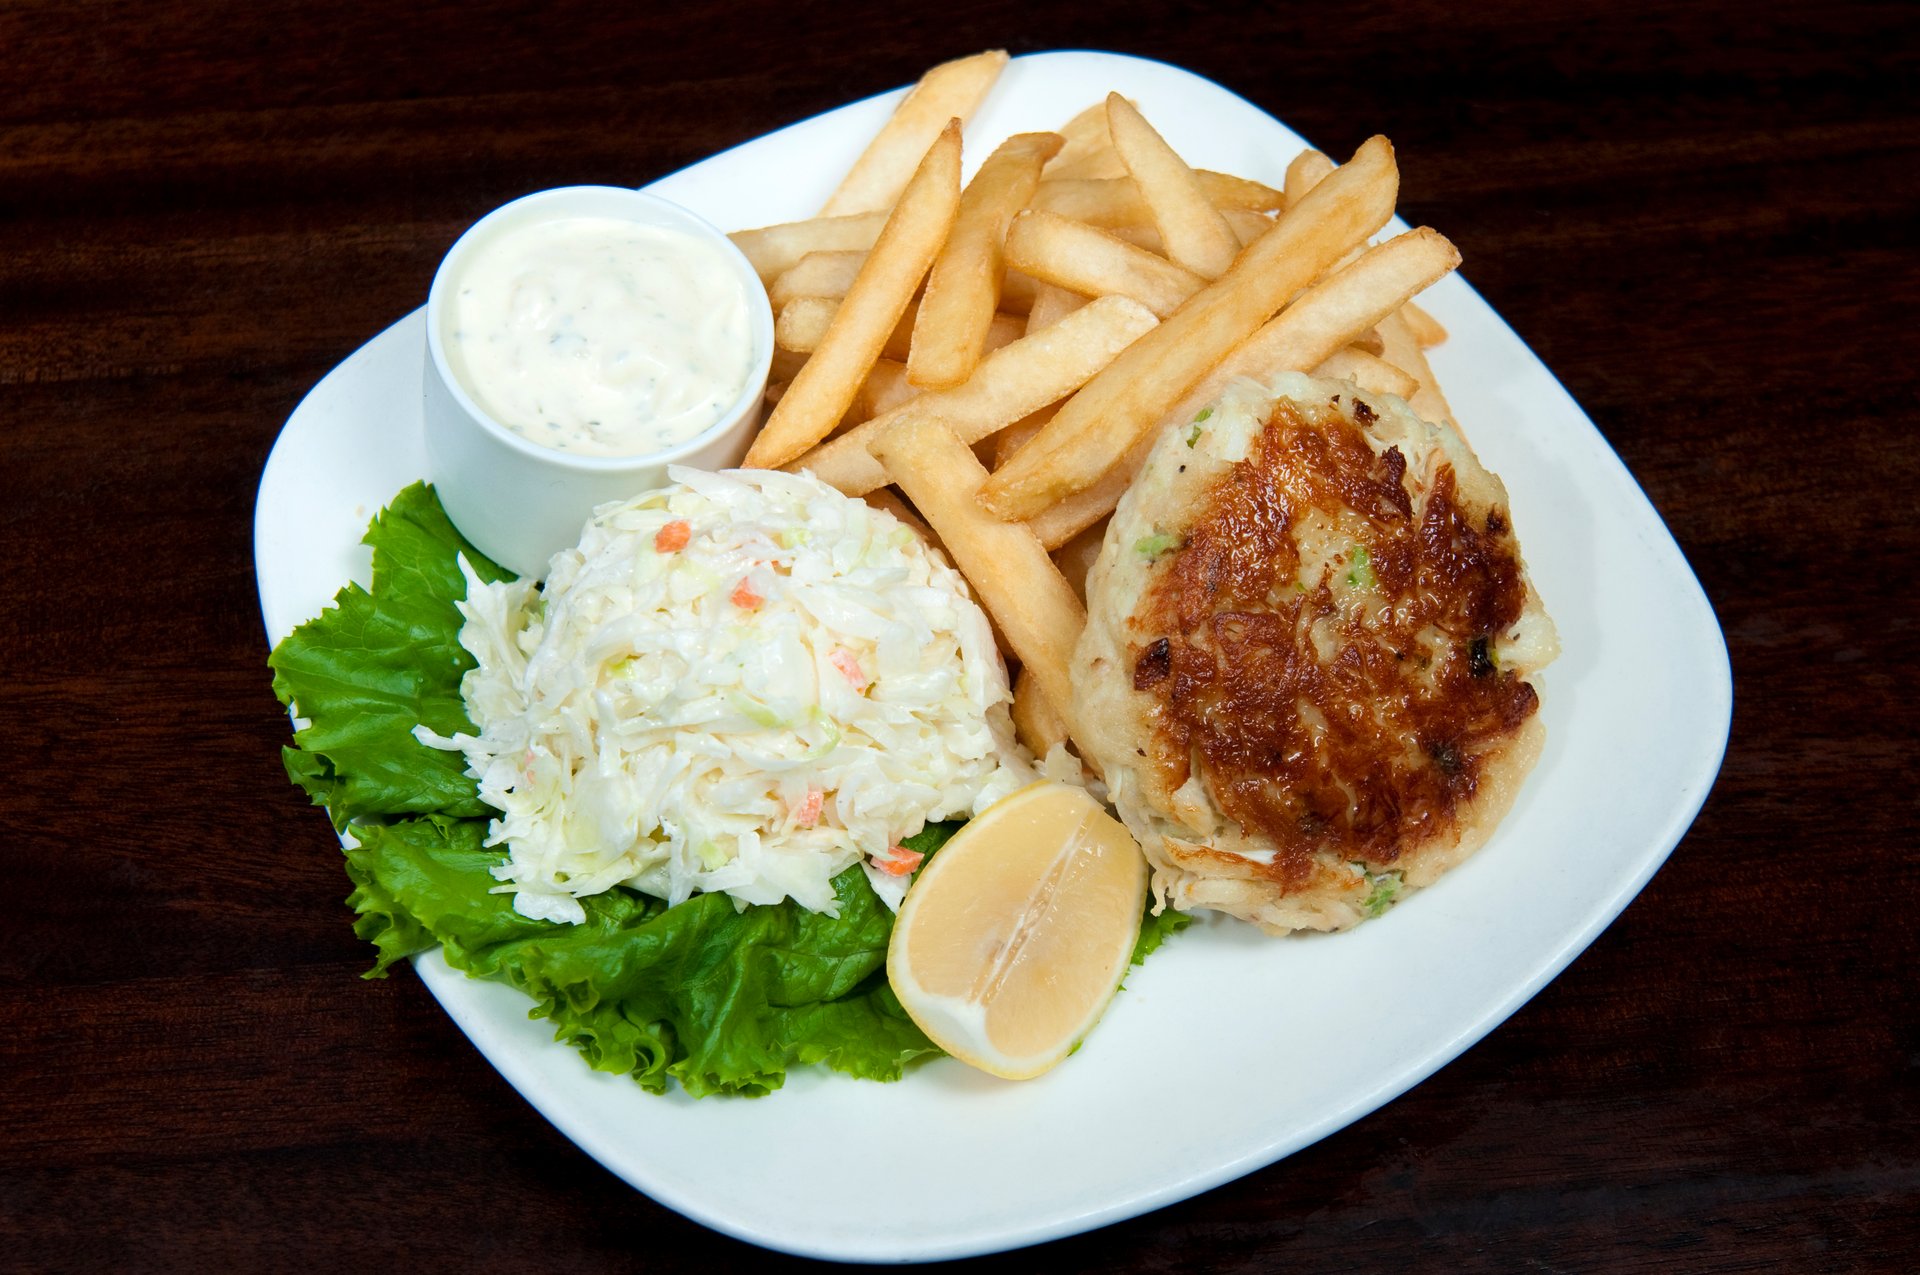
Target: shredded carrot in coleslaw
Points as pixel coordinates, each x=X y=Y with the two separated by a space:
x=673 y=537
x=899 y=862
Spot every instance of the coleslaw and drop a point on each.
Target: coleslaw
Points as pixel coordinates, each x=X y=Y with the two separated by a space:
x=743 y=682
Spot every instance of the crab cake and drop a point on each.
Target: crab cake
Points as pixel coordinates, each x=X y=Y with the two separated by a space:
x=1309 y=663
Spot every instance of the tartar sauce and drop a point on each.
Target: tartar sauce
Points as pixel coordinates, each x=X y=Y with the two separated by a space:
x=600 y=336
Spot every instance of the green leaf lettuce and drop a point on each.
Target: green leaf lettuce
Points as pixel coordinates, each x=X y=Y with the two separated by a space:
x=379 y=662
x=719 y=998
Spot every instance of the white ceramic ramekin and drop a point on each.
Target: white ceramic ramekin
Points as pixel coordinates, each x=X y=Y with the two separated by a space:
x=519 y=502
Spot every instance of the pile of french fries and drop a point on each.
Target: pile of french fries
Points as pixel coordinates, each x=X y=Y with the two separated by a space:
x=1004 y=353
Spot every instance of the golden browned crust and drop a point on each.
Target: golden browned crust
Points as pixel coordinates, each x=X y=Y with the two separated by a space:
x=1308 y=664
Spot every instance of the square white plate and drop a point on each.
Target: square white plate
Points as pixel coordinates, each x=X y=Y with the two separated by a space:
x=1272 y=1044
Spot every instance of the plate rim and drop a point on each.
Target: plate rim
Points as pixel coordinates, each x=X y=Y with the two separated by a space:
x=1680 y=815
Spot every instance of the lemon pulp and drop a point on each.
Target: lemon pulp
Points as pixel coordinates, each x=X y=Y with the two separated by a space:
x=1015 y=937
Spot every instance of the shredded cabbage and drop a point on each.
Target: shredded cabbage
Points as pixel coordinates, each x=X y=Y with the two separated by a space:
x=743 y=682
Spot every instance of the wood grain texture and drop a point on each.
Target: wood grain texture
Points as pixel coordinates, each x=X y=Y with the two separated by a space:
x=1700 y=216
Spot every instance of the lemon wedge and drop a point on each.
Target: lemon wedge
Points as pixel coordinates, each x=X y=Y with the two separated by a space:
x=1015 y=936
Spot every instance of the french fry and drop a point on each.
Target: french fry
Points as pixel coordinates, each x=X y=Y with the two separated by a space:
x=1426 y=329
x=1015 y=436
x=1306 y=333
x=801 y=326
x=1103 y=163
x=1010 y=383
x=1116 y=201
x=1016 y=292
x=1074 y=255
x=888 y=499
x=1368 y=340
x=1035 y=721
x=1195 y=233
x=1004 y=562
x=884 y=389
x=963 y=288
x=1247 y=224
x=1050 y=305
x=952 y=90
x=1308 y=169
x=1226 y=191
x=818 y=274
x=1146 y=238
x=1368 y=371
x=1082 y=138
x=786 y=364
x=824 y=388
x=774 y=250
x=1120 y=406
x=1245 y=221
x=1404 y=352
x=1076 y=557
x=1060 y=522
x=1330 y=314
x=1004 y=331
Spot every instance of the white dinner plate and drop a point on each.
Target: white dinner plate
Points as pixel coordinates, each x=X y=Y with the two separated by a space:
x=1228 y=1050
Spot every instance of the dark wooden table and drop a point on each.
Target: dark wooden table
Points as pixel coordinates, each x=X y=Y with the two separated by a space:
x=1700 y=216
